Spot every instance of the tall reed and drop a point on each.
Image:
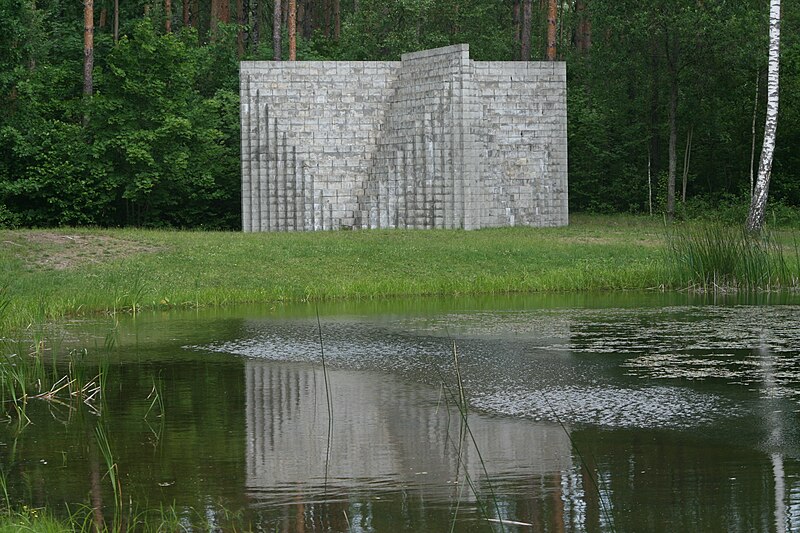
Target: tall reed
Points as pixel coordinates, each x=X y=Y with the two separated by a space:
x=714 y=257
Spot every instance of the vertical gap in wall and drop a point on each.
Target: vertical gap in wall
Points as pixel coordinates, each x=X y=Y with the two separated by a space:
x=286 y=198
x=297 y=187
x=330 y=210
x=304 y=222
x=447 y=212
x=423 y=137
x=415 y=177
x=273 y=197
x=399 y=192
x=321 y=212
x=377 y=185
x=247 y=161
x=457 y=191
x=255 y=177
x=394 y=196
x=406 y=193
x=432 y=181
x=263 y=168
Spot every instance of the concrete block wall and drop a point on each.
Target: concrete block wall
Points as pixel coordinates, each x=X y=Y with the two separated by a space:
x=432 y=141
x=522 y=134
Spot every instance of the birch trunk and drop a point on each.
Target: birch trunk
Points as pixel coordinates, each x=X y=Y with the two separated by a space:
x=758 y=205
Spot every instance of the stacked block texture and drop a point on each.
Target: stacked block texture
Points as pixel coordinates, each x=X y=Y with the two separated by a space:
x=435 y=140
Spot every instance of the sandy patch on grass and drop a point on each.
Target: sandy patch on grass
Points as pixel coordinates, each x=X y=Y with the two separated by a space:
x=45 y=250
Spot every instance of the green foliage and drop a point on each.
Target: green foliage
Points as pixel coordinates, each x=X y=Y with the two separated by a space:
x=156 y=146
x=384 y=30
x=172 y=159
x=158 y=143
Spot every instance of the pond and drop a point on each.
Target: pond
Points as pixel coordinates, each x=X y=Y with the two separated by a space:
x=624 y=412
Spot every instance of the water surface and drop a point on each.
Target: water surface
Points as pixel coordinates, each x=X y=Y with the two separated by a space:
x=632 y=412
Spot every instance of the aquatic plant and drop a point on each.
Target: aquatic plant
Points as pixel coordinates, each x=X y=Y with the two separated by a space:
x=24 y=377
x=458 y=398
x=112 y=471
x=717 y=257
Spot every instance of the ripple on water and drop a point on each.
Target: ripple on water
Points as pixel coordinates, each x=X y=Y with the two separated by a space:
x=647 y=407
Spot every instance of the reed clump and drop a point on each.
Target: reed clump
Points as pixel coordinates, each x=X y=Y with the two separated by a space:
x=27 y=375
x=718 y=257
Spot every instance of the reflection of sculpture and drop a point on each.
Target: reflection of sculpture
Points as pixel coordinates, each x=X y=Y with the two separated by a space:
x=386 y=435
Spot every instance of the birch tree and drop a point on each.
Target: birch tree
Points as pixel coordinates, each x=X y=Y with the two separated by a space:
x=758 y=205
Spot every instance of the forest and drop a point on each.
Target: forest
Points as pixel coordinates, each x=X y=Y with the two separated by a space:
x=126 y=112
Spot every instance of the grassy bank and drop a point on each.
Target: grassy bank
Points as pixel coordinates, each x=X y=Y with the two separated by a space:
x=53 y=273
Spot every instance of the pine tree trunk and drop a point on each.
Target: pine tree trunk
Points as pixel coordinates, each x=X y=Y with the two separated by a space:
x=168 y=16
x=552 y=14
x=276 y=30
x=525 y=49
x=583 y=38
x=301 y=17
x=687 y=159
x=337 y=19
x=220 y=12
x=655 y=111
x=292 y=23
x=328 y=9
x=673 y=140
x=517 y=26
x=256 y=11
x=185 y=13
x=88 y=46
x=758 y=205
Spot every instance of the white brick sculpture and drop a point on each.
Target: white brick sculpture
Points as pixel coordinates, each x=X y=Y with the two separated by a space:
x=435 y=140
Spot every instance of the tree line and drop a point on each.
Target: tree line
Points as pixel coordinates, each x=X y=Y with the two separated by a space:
x=126 y=112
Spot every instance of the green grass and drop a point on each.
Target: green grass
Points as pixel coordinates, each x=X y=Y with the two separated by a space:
x=46 y=277
x=47 y=274
x=156 y=520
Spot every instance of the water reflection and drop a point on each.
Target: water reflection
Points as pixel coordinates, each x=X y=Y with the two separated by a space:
x=385 y=434
x=677 y=418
